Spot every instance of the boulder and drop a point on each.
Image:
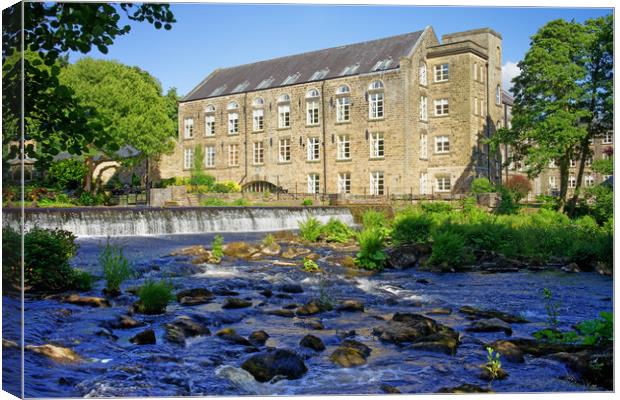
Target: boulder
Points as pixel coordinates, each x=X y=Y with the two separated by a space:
x=508 y=350
x=225 y=292
x=235 y=302
x=487 y=376
x=124 y=322
x=144 y=337
x=351 y=353
x=56 y=353
x=439 y=311
x=240 y=250
x=295 y=252
x=344 y=261
x=595 y=365
x=572 y=267
x=229 y=335
x=389 y=389
x=258 y=337
x=266 y=292
x=193 y=297
x=465 y=388
x=313 y=324
x=281 y=313
x=90 y=301
x=312 y=342
x=477 y=313
x=351 y=305
x=9 y=344
x=310 y=308
x=402 y=257
x=445 y=342
x=196 y=250
x=265 y=366
x=406 y=327
x=207 y=258
x=183 y=327
x=490 y=325
x=291 y=288
x=272 y=250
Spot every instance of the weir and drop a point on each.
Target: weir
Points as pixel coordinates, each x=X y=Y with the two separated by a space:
x=143 y=221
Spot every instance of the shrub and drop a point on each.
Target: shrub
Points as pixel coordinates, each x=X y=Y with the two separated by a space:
x=241 y=202
x=548 y=202
x=519 y=186
x=200 y=178
x=600 y=202
x=306 y=202
x=311 y=266
x=598 y=331
x=412 y=228
x=449 y=250
x=82 y=280
x=154 y=297
x=46 y=259
x=212 y=202
x=468 y=204
x=116 y=268
x=310 y=229
x=217 y=247
x=335 y=231
x=436 y=206
x=371 y=255
x=374 y=219
x=269 y=240
x=68 y=173
x=90 y=199
x=507 y=203
x=481 y=185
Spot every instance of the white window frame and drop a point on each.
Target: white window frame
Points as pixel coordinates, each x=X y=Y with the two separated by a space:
x=284 y=150
x=441 y=72
x=377 y=183
x=188 y=158
x=423 y=183
x=313 y=149
x=344 y=182
x=608 y=138
x=423 y=108
x=589 y=180
x=312 y=112
x=343 y=109
x=188 y=128
x=423 y=75
x=344 y=147
x=442 y=107
x=553 y=164
x=442 y=144
x=424 y=146
x=552 y=181
x=377 y=145
x=233 y=123
x=376 y=101
x=258 y=153
x=498 y=95
x=443 y=184
x=258 y=120
x=284 y=116
x=210 y=125
x=572 y=182
x=209 y=160
x=233 y=155
x=314 y=183
x=572 y=163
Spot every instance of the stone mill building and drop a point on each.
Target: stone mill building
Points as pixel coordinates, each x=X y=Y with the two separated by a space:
x=401 y=115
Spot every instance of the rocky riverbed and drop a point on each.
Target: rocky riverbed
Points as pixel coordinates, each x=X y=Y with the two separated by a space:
x=258 y=324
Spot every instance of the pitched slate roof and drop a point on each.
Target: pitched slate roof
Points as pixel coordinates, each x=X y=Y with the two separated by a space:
x=353 y=59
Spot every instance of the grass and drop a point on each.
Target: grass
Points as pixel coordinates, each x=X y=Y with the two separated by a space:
x=371 y=255
x=310 y=229
x=116 y=268
x=154 y=297
x=217 y=247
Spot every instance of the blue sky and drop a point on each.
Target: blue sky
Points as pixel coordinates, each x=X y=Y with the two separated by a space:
x=208 y=36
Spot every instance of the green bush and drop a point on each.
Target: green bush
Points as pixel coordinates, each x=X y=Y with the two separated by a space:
x=449 y=250
x=310 y=229
x=507 y=203
x=335 y=231
x=482 y=185
x=374 y=219
x=371 y=255
x=599 y=203
x=311 y=266
x=200 y=178
x=212 y=202
x=598 y=331
x=241 y=202
x=548 y=202
x=307 y=202
x=46 y=259
x=217 y=247
x=116 y=268
x=435 y=206
x=89 y=199
x=82 y=280
x=68 y=173
x=154 y=297
x=412 y=228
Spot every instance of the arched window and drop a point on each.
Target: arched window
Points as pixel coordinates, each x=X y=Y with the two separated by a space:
x=258 y=102
x=498 y=95
x=375 y=85
x=232 y=105
x=423 y=79
x=344 y=89
x=312 y=93
x=284 y=111
x=284 y=98
x=210 y=108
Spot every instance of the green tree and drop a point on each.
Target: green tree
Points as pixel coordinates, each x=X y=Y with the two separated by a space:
x=547 y=113
x=131 y=108
x=53 y=118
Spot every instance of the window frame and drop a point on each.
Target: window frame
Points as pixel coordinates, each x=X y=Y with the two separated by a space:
x=377 y=183
x=209 y=125
x=258 y=120
x=442 y=144
x=284 y=144
x=313 y=147
x=343 y=147
x=233 y=156
x=209 y=156
x=343 y=109
x=233 y=123
x=314 y=183
x=258 y=153
x=284 y=116
x=444 y=105
x=376 y=141
x=188 y=128
x=441 y=187
x=344 y=182
x=441 y=72
x=188 y=158
x=424 y=108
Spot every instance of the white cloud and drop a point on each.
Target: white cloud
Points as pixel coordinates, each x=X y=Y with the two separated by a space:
x=509 y=71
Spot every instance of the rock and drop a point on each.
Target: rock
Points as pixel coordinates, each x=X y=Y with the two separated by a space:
x=231 y=336
x=440 y=342
x=389 y=389
x=343 y=334
x=9 y=344
x=490 y=325
x=145 y=337
x=311 y=324
x=439 y=311
x=56 y=353
x=207 y=258
x=294 y=252
x=402 y=257
x=124 y=322
x=351 y=353
x=240 y=250
x=499 y=374
x=478 y=313
x=196 y=296
x=284 y=296
x=105 y=332
x=284 y=263
x=509 y=351
x=572 y=267
x=281 y=313
x=90 y=301
x=266 y=366
x=538 y=349
x=310 y=308
x=290 y=306
x=312 y=342
x=351 y=305
x=465 y=388
x=344 y=261
x=291 y=288
x=423 y=281
x=312 y=256
x=258 y=337
x=225 y=292
x=235 y=302
x=595 y=365
x=406 y=327
x=183 y=327
x=267 y=293
x=272 y=250
x=196 y=250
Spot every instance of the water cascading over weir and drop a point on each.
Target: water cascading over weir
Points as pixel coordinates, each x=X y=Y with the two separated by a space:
x=141 y=221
